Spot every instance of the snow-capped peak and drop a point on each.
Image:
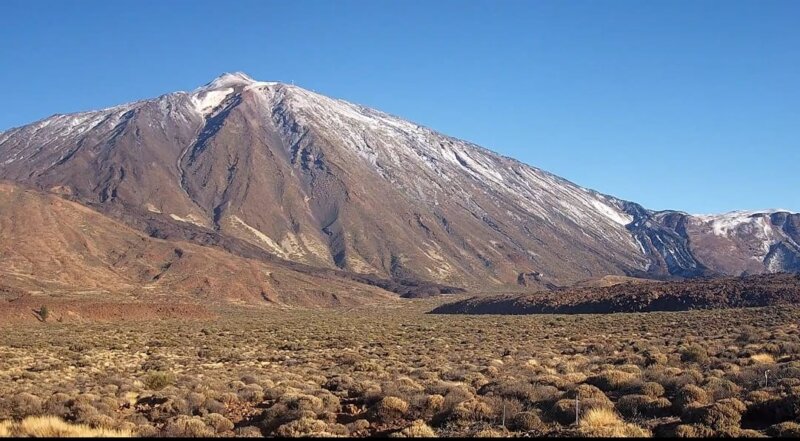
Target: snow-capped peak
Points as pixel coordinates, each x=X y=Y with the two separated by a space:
x=722 y=224
x=738 y=215
x=228 y=79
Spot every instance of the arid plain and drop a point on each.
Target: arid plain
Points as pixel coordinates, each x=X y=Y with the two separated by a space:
x=398 y=370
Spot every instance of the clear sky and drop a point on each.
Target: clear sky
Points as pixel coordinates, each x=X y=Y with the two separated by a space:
x=686 y=104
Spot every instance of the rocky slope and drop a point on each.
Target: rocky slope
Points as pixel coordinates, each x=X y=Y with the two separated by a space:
x=725 y=292
x=330 y=184
x=58 y=247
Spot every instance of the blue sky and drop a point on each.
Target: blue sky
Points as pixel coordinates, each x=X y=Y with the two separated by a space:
x=686 y=104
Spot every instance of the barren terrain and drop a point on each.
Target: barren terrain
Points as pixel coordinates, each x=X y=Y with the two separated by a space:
x=640 y=296
x=381 y=370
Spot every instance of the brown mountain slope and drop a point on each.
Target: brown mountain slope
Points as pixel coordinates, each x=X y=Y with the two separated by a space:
x=330 y=184
x=730 y=292
x=57 y=247
x=326 y=183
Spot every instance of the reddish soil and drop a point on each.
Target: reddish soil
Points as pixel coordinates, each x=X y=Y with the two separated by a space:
x=24 y=309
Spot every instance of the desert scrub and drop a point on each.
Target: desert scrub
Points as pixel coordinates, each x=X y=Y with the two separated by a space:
x=542 y=363
x=417 y=429
x=612 y=380
x=24 y=404
x=694 y=354
x=158 y=380
x=723 y=416
x=587 y=396
x=187 y=426
x=303 y=427
x=251 y=393
x=788 y=429
x=606 y=423
x=54 y=427
x=634 y=406
x=390 y=409
x=690 y=396
x=527 y=421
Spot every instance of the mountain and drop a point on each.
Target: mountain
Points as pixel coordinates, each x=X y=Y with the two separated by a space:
x=333 y=185
x=62 y=248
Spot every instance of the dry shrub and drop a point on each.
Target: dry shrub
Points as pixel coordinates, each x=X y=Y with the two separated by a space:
x=650 y=388
x=724 y=415
x=251 y=393
x=330 y=402
x=56 y=405
x=172 y=407
x=471 y=410
x=339 y=383
x=453 y=392
x=690 y=395
x=54 y=427
x=574 y=378
x=5 y=429
x=433 y=403
x=248 y=432
x=218 y=422
x=417 y=429
x=390 y=409
x=606 y=423
x=759 y=396
x=303 y=427
x=762 y=358
x=588 y=396
x=775 y=410
x=302 y=402
x=146 y=431
x=195 y=400
x=552 y=380
x=211 y=405
x=694 y=431
x=359 y=427
x=694 y=354
x=187 y=426
x=158 y=380
x=612 y=380
x=652 y=357
x=670 y=378
x=719 y=388
x=490 y=432
x=527 y=422
x=786 y=429
x=24 y=405
x=102 y=421
x=643 y=405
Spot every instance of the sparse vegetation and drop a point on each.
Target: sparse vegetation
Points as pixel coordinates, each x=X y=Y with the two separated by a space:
x=44 y=313
x=402 y=373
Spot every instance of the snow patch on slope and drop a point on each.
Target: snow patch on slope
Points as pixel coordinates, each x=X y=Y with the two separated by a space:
x=723 y=224
x=206 y=101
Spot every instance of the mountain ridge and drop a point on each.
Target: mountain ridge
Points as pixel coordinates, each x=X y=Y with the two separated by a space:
x=331 y=184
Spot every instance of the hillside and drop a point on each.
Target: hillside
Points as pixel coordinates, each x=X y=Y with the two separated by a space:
x=56 y=247
x=731 y=292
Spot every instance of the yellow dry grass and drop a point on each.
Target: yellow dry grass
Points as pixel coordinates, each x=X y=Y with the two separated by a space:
x=602 y=422
x=54 y=427
x=763 y=358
